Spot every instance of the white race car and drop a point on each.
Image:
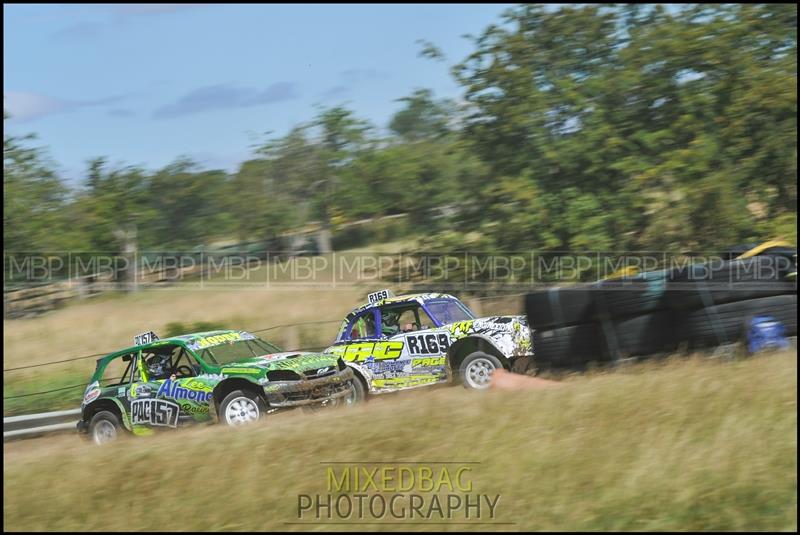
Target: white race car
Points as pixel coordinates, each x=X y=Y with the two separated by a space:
x=394 y=343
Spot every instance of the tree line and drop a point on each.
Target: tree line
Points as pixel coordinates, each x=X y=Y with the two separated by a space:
x=601 y=127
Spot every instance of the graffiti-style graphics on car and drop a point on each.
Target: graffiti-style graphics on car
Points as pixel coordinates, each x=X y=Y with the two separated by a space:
x=173 y=382
x=398 y=342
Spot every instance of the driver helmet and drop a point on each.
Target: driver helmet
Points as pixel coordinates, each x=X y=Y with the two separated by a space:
x=157 y=366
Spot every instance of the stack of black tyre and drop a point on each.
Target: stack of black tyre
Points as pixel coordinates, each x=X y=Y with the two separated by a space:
x=700 y=305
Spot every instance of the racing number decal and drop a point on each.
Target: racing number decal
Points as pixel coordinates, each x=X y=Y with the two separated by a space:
x=154 y=412
x=427 y=344
x=374 y=297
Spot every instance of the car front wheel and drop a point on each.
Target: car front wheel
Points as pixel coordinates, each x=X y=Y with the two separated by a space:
x=240 y=407
x=104 y=428
x=357 y=394
x=476 y=370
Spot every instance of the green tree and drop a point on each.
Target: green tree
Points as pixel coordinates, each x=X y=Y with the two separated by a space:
x=115 y=201
x=35 y=200
x=422 y=117
x=639 y=124
x=192 y=206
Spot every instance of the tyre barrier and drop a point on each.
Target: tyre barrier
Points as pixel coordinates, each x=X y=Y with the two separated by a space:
x=725 y=323
x=645 y=334
x=703 y=285
x=630 y=296
x=559 y=307
x=657 y=312
x=568 y=346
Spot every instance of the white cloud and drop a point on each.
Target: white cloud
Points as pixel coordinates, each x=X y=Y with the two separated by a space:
x=24 y=106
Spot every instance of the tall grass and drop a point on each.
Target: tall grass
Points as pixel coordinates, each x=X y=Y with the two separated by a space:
x=686 y=445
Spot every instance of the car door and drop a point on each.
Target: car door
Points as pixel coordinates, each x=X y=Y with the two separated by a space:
x=364 y=348
x=422 y=358
x=165 y=392
x=145 y=409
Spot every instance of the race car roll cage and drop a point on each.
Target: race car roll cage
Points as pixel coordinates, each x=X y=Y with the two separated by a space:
x=377 y=316
x=136 y=358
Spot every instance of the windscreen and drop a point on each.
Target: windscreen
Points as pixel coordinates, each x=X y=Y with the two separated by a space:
x=236 y=351
x=449 y=311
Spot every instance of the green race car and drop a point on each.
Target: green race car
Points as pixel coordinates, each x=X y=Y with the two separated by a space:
x=227 y=376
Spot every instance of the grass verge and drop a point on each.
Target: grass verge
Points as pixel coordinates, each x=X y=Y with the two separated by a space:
x=684 y=445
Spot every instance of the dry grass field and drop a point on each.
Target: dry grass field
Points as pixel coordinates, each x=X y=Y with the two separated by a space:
x=690 y=444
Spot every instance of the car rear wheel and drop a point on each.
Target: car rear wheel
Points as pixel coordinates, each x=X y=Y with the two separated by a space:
x=104 y=428
x=476 y=370
x=240 y=407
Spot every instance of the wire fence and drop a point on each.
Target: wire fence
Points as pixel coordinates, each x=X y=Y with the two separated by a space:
x=265 y=329
x=109 y=352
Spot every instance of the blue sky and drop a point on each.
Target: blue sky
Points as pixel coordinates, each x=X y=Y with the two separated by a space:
x=143 y=84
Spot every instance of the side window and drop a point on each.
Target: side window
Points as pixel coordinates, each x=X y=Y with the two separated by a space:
x=405 y=319
x=363 y=326
x=183 y=364
x=118 y=371
x=425 y=321
x=415 y=319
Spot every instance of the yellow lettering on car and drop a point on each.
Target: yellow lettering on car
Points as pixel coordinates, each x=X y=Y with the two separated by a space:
x=387 y=350
x=218 y=339
x=428 y=361
x=462 y=326
x=379 y=350
x=358 y=352
x=413 y=380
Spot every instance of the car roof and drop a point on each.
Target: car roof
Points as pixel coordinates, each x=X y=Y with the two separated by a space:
x=400 y=299
x=191 y=336
x=181 y=339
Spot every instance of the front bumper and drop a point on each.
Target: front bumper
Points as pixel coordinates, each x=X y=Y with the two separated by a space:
x=309 y=391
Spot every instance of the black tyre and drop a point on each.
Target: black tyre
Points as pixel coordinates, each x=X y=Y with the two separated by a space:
x=357 y=393
x=558 y=307
x=104 y=428
x=241 y=407
x=359 y=390
x=569 y=346
x=631 y=296
x=476 y=370
x=725 y=324
x=642 y=335
x=706 y=284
